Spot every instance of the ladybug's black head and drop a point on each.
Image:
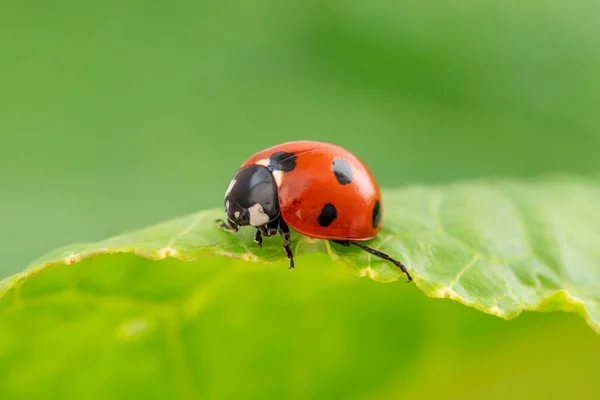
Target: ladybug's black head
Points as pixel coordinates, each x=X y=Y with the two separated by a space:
x=251 y=198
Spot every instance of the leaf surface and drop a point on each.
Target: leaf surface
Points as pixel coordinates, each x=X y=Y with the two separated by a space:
x=502 y=247
x=174 y=311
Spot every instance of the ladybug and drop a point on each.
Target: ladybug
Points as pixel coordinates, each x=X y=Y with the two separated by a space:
x=319 y=189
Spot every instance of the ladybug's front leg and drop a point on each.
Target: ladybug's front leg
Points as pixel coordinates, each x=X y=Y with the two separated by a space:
x=284 y=230
x=228 y=226
x=268 y=230
x=258 y=238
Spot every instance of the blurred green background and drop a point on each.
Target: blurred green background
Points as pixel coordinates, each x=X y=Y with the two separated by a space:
x=118 y=114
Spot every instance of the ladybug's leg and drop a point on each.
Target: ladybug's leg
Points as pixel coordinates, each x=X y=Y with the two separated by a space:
x=284 y=230
x=376 y=253
x=228 y=226
x=258 y=238
x=270 y=229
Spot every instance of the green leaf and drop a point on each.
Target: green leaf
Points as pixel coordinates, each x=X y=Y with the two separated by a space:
x=157 y=328
x=502 y=247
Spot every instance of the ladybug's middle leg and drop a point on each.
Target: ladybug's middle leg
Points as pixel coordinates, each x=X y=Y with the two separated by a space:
x=284 y=230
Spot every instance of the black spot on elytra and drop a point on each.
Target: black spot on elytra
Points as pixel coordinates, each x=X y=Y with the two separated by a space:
x=328 y=214
x=342 y=170
x=377 y=214
x=296 y=202
x=282 y=161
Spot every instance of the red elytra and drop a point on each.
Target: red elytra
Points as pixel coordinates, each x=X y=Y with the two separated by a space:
x=314 y=183
x=319 y=189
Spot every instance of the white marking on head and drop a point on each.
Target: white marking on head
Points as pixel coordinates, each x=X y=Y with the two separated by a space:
x=236 y=214
x=231 y=184
x=227 y=204
x=264 y=162
x=257 y=215
x=278 y=176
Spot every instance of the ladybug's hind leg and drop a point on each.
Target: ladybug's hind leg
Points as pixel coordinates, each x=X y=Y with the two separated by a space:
x=376 y=253
x=284 y=230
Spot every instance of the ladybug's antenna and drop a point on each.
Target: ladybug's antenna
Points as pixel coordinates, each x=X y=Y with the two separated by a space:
x=376 y=253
